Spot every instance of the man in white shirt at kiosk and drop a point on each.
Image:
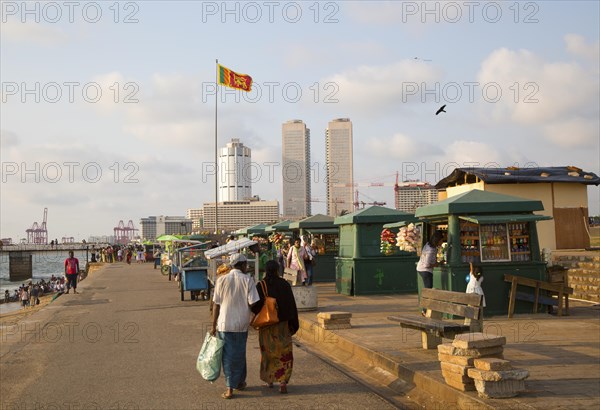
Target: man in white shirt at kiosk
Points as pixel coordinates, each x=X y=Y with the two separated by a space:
x=233 y=295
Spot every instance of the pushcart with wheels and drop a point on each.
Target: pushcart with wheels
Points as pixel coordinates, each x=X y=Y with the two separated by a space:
x=191 y=269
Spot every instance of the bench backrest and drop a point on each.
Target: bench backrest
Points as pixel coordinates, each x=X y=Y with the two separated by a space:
x=455 y=303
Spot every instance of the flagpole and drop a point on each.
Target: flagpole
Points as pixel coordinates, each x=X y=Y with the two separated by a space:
x=216 y=151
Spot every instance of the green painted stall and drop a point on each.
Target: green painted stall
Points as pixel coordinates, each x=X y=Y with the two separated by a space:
x=360 y=267
x=495 y=231
x=322 y=228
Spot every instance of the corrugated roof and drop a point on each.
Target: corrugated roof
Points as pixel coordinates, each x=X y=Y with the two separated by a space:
x=512 y=175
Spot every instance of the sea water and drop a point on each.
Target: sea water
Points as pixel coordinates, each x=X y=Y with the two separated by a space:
x=44 y=265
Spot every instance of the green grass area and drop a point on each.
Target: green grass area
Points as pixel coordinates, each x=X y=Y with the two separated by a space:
x=595 y=233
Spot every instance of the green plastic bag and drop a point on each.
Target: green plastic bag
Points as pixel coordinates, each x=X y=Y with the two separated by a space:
x=209 y=358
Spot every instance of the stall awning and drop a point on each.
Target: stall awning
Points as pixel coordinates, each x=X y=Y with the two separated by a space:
x=491 y=219
x=401 y=223
x=318 y=231
x=231 y=247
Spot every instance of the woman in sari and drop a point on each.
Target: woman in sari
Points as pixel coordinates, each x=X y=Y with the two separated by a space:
x=276 y=357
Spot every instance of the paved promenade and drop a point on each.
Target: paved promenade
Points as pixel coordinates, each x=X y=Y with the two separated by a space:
x=126 y=341
x=562 y=354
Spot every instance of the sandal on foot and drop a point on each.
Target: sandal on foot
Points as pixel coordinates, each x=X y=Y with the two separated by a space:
x=227 y=395
x=283 y=389
x=242 y=386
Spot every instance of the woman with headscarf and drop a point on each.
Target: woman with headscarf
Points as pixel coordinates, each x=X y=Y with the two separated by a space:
x=277 y=360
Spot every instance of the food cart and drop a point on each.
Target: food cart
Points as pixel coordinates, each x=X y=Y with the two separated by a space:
x=171 y=243
x=360 y=267
x=321 y=229
x=191 y=267
x=494 y=231
x=219 y=255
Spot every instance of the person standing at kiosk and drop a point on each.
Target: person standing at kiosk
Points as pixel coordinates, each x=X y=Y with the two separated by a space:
x=428 y=259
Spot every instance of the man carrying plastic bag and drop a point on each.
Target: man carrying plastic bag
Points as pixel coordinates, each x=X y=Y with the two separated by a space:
x=209 y=359
x=233 y=295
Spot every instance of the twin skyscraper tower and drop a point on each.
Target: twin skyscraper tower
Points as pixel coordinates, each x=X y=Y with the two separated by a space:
x=297 y=169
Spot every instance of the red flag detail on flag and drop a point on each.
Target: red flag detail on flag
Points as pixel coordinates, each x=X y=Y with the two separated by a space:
x=232 y=79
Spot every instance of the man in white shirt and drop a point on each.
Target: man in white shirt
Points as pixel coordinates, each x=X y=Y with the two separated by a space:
x=233 y=295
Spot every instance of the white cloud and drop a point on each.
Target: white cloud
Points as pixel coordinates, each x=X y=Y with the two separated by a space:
x=571 y=132
x=43 y=34
x=383 y=89
x=577 y=45
x=550 y=96
x=401 y=147
x=8 y=139
x=472 y=152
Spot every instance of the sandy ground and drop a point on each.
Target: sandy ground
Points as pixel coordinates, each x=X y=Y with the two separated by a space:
x=22 y=313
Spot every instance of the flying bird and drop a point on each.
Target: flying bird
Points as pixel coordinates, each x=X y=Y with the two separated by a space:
x=441 y=109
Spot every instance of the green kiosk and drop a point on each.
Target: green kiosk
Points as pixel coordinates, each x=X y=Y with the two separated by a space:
x=321 y=229
x=360 y=267
x=494 y=231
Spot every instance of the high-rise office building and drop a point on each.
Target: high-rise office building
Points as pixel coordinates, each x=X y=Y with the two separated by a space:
x=155 y=226
x=410 y=195
x=340 y=174
x=295 y=152
x=197 y=217
x=234 y=172
x=239 y=214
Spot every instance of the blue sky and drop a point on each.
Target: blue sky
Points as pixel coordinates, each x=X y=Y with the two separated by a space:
x=154 y=151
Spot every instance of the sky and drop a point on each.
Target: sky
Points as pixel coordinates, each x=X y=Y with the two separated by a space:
x=108 y=108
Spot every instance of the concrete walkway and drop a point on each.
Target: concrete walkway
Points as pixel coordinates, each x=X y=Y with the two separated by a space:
x=126 y=341
x=562 y=354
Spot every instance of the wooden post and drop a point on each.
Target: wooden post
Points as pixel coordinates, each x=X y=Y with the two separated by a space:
x=513 y=295
x=560 y=301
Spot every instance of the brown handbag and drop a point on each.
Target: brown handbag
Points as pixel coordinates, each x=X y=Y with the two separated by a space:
x=268 y=314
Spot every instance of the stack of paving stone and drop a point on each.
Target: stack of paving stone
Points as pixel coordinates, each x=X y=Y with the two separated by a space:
x=334 y=320
x=496 y=378
x=458 y=357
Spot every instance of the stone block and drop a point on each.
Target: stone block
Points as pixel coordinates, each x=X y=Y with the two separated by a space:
x=334 y=315
x=496 y=376
x=456 y=377
x=470 y=386
x=454 y=368
x=490 y=363
x=477 y=341
x=332 y=321
x=499 y=390
x=336 y=327
x=460 y=360
x=449 y=349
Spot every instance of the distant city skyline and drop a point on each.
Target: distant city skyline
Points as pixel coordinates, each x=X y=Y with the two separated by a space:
x=235 y=182
x=129 y=130
x=295 y=167
x=340 y=169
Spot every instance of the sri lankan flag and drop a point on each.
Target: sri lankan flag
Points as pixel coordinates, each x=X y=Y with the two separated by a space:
x=232 y=79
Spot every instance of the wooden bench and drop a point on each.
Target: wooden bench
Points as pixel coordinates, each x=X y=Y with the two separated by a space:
x=439 y=302
x=560 y=289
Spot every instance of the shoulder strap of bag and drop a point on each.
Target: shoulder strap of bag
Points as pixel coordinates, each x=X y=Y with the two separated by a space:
x=263 y=285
